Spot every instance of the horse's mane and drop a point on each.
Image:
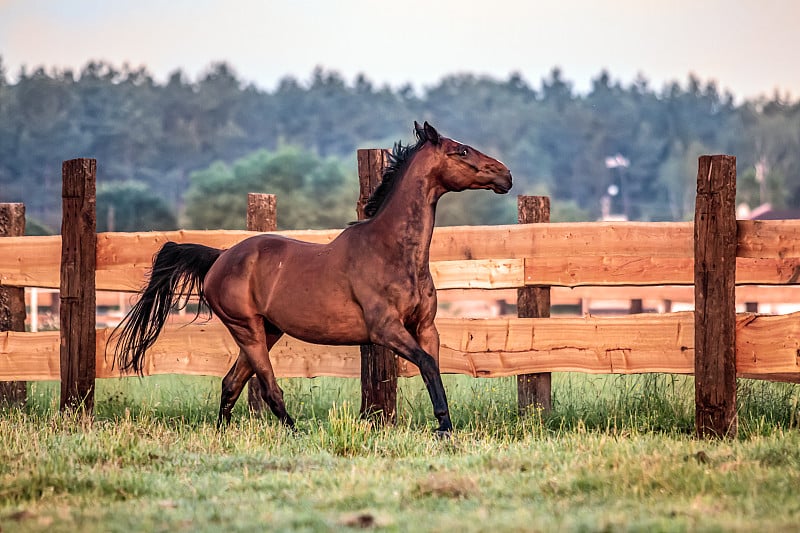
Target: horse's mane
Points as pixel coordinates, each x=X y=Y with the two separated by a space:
x=398 y=161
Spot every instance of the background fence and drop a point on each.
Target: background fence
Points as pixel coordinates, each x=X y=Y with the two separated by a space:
x=714 y=253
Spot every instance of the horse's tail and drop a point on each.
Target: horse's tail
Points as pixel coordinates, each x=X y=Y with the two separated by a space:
x=178 y=271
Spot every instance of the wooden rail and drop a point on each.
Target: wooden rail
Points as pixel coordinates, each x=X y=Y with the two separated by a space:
x=485 y=257
x=766 y=345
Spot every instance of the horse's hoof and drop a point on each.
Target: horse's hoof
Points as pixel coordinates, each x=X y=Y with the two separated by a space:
x=444 y=434
x=288 y=423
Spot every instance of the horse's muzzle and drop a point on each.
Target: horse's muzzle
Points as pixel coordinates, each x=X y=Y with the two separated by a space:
x=502 y=184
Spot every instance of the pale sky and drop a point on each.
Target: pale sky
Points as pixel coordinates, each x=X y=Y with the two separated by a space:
x=749 y=47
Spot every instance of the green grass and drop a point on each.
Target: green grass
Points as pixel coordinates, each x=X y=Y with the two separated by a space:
x=617 y=453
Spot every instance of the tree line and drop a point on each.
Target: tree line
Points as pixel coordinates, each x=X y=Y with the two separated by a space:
x=185 y=152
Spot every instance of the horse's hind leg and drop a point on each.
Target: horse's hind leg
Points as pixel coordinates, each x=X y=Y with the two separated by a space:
x=271 y=392
x=232 y=385
x=255 y=343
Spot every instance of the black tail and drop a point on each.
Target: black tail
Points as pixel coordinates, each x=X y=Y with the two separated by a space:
x=178 y=271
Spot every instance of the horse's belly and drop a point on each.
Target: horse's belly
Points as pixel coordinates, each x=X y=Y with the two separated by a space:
x=320 y=322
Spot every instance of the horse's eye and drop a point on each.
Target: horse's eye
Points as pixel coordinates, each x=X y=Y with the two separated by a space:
x=463 y=152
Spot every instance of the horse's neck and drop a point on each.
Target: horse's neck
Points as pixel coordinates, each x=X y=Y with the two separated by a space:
x=409 y=216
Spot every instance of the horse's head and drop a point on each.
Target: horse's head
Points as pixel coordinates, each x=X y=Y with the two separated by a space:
x=459 y=166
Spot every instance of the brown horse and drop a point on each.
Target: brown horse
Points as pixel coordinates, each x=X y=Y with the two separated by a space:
x=372 y=284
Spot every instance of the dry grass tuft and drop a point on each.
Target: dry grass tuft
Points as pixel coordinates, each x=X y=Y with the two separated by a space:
x=447 y=485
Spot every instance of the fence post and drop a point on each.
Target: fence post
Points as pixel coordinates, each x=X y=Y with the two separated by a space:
x=12 y=303
x=715 y=241
x=78 y=259
x=378 y=364
x=533 y=390
x=262 y=215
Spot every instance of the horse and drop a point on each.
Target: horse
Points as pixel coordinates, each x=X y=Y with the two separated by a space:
x=371 y=284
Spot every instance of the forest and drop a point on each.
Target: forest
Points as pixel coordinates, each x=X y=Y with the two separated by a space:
x=184 y=153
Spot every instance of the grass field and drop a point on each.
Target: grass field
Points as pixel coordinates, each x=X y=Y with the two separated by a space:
x=617 y=453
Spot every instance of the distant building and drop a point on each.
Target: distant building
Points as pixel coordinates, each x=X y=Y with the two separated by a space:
x=766 y=212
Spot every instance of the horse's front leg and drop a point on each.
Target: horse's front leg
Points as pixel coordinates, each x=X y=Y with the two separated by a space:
x=396 y=337
x=428 y=339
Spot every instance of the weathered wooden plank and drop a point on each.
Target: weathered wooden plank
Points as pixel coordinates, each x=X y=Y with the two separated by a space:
x=768 y=239
x=579 y=271
x=479 y=274
x=497 y=273
x=30 y=356
x=576 y=271
x=125 y=250
x=194 y=349
x=562 y=254
x=478 y=347
x=504 y=347
x=30 y=261
x=767 y=344
x=575 y=239
x=767 y=271
x=122 y=258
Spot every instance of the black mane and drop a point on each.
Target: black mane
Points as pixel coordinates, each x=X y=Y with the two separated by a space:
x=398 y=160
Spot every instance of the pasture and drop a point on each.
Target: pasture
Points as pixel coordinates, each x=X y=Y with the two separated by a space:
x=616 y=453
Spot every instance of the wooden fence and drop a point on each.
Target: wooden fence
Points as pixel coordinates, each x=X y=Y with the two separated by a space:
x=536 y=255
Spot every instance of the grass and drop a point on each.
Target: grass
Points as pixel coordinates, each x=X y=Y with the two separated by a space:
x=617 y=453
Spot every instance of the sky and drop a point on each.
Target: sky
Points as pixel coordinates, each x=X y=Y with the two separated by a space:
x=747 y=47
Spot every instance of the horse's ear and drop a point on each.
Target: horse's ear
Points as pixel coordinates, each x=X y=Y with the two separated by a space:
x=418 y=130
x=431 y=133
